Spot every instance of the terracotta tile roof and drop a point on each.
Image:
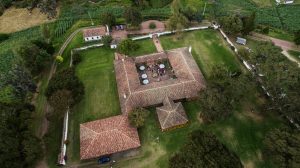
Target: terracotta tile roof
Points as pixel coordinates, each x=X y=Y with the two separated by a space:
x=132 y=94
x=107 y=136
x=99 y=31
x=171 y=114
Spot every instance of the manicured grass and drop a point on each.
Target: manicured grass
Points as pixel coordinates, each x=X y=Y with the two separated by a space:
x=295 y=54
x=145 y=47
x=208 y=49
x=243 y=132
x=101 y=100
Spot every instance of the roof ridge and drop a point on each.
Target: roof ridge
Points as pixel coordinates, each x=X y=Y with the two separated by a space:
x=121 y=132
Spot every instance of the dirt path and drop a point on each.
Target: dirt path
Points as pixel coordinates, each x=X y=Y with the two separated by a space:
x=44 y=127
x=285 y=45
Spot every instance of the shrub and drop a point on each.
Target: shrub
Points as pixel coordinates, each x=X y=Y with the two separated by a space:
x=3 y=37
x=137 y=117
x=76 y=58
x=152 y=25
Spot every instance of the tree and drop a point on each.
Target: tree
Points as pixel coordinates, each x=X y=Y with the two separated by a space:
x=107 y=40
x=126 y=46
x=36 y=59
x=108 y=18
x=231 y=24
x=282 y=147
x=66 y=80
x=215 y=105
x=248 y=23
x=133 y=16
x=204 y=150
x=61 y=100
x=3 y=37
x=59 y=59
x=137 y=117
x=178 y=21
x=76 y=57
x=19 y=146
x=297 y=37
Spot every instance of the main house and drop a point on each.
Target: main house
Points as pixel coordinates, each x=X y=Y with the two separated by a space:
x=161 y=79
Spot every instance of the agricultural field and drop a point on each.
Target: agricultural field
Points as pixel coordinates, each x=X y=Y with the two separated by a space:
x=14 y=20
x=282 y=16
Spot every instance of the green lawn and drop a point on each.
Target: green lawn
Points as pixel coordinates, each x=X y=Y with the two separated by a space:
x=208 y=49
x=96 y=71
x=243 y=132
x=145 y=47
x=295 y=54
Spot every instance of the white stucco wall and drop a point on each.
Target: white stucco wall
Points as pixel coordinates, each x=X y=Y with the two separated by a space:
x=93 y=38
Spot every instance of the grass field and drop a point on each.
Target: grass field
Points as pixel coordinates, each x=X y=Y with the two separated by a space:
x=14 y=20
x=264 y=3
x=208 y=49
x=100 y=100
x=145 y=47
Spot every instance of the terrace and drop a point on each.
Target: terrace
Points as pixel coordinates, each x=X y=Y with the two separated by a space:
x=155 y=71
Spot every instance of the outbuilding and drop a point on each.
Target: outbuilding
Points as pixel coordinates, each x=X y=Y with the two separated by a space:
x=240 y=40
x=94 y=34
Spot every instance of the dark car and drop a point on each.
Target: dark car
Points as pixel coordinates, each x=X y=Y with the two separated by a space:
x=104 y=160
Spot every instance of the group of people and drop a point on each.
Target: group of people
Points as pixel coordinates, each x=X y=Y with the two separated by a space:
x=157 y=69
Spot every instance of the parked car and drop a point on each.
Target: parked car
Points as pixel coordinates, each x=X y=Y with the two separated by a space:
x=103 y=160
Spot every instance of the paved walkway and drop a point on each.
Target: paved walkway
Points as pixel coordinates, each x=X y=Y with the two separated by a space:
x=157 y=44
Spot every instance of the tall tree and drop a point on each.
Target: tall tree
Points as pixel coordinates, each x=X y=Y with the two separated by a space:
x=204 y=150
x=297 y=37
x=66 y=79
x=133 y=16
x=108 y=18
x=127 y=46
x=178 y=20
x=282 y=147
x=61 y=100
x=35 y=58
x=231 y=24
x=248 y=23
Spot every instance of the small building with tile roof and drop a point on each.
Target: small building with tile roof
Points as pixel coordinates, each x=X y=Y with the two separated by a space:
x=94 y=34
x=107 y=136
x=171 y=115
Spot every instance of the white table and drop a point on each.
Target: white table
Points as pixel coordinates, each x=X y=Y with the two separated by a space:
x=145 y=82
x=161 y=66
x=144 y=76
x=142 y=67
